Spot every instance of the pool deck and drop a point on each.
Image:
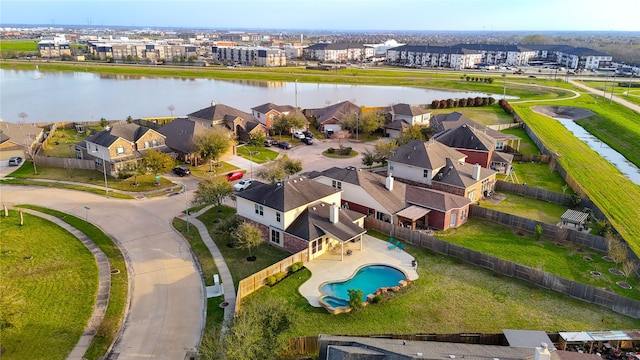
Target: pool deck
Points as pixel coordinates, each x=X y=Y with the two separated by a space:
x=328 y=266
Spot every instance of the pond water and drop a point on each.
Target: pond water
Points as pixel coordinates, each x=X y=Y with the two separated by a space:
x=625 y=166
x=80 y=96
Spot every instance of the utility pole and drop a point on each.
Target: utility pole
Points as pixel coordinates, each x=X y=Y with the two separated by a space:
x=613 y=85
x=504 y=80
x=296 y=93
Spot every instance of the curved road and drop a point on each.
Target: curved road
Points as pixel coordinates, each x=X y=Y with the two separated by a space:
x=166 y=311
x=617 y=99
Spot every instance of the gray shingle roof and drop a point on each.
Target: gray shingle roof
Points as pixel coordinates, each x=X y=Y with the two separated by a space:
x=221 y=112
x=265 y=108
x=443 y=122
x=337 y=111
x=407 y=110
x=21 y=134
x=314 y=223
x=466 y=137
x=435 y=199
x=129 y=132
x=287 y=195
x=180 y=132
x=459 y=174
x=426 y=155
x=399 y=125
x=348 y=175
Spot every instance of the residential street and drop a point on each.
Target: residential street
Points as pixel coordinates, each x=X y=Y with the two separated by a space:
x=166 y=311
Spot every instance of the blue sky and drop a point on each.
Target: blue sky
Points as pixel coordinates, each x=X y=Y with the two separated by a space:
x=446 y=15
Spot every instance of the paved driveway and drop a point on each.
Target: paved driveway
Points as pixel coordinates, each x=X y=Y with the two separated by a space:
x=166 y=313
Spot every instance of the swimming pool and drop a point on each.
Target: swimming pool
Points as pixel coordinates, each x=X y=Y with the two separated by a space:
x=368 y=279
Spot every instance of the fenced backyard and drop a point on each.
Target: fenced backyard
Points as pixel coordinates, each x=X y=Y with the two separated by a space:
x=538 y=277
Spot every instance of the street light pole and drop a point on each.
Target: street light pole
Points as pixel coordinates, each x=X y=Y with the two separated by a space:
x=104 y=171
x=186 y=204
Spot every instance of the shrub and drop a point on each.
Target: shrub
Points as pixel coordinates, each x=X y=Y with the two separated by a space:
x=376 y=299
x=355 y=299
x=279 y=276
x=346 y=151
x=331 y=150
x=296 y=266
x=271 y=280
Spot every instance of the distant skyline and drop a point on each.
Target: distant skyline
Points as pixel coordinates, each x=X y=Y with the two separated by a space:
x=338 y=15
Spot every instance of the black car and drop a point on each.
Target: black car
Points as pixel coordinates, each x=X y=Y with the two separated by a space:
x=181 y=171
x=308 y=134
x=284 y=145
x=307 y=140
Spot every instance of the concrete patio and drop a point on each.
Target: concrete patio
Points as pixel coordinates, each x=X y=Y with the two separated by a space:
x=328 y=266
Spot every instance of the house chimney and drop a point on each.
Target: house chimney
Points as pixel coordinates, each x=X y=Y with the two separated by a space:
x=542 y=352
x=213 y=103
x=389 y=183
x=476 y=172
x=333 y=213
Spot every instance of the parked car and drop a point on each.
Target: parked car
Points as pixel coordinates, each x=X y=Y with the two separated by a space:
x=308 y=134
x=298 y=135
x=532 y=76
x=181 y=170
x=235 y=175
x=269 y=141
x=284 y=145
x=15 y=161
x=243 y=184
x=307 y=140
x=518 y=72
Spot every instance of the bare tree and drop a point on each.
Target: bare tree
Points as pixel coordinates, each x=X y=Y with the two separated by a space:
x=629 y=267
x=617 y=250
x=23 y=115
x=171 y=108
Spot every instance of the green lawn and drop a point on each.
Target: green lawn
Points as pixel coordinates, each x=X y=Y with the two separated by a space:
x=19 y=45
x=538 y=175
x=53 y=278
x=614 y=194
x=236 y=258
x=527 y=146
x=566 y=261
x=449 y=297
x=485 y=115
x=119 y=282
x=620 y=91
x=258 y=155
x=94 y=177
x=62 y=143
x=211 y=169
x=526 y=207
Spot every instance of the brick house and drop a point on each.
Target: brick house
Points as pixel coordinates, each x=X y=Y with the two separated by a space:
x=300 y=214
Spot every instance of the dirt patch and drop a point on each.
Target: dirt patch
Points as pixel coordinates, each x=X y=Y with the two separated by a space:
x=496 y=198
x=567 y=112
x=623 y=285
x=615 y=271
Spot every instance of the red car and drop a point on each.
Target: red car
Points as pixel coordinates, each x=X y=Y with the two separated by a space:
x=235 y=175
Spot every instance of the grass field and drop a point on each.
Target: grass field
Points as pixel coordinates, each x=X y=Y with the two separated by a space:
x=486 y=115
x=620 y=91
x=449 y=297
x=527 y=207
x=538 y=175
x=263 y=154
x=19 y=45
x=614 y=194
x=54 y=279
x=566 y=261
x=527 y=146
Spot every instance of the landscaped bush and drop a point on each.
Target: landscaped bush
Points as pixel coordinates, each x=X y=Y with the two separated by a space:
x=331 y=150
x=271 y=280
x=279 y=276
x=376 y=299
x=345 y=151
x=296 y=266
x=464 y=102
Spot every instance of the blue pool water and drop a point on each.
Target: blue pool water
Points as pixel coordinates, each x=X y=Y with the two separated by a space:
x=368 y=279
x=335 y=302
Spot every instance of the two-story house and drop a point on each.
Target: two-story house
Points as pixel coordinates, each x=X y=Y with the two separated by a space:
x=300 y=214
x=240 y=123
x=267 y=113
x=503 y=142
x=402 y=116
x=180 y=134
x=434 y=165
x=478 y=146
x=119 y=147
x=395 y=202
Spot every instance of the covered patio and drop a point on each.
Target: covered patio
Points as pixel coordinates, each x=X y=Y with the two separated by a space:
x=413 y=216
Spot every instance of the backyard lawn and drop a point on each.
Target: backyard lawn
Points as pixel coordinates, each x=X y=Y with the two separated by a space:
x=538 y=175
x=525 y=207
x=527 y=146
x=49 y=284
x=449 y=297
x=62 y=143
x=485 y=115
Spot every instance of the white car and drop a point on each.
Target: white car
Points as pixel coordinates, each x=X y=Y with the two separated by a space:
x=243 y=184
x=298 y=135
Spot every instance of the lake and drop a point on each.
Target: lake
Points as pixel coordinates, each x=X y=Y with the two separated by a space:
x=79 y=96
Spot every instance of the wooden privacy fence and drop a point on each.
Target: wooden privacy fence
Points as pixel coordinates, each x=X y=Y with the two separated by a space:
x=537 y=158
x=533 y=192
x=66 y=163
x=254 y=282
x=603 y=297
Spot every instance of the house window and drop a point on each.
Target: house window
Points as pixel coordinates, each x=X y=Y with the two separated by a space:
x=278 y=216
x=146 y=144
x=154 y=143
x=425 y=173
x=259 y=210
x=336 y=184
x=383 y=217
x=390 y=166
x=463 y=215
x=275 y=236
x=120 y=150
x=472 y=195
x=452 y=222
x=499 y=145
